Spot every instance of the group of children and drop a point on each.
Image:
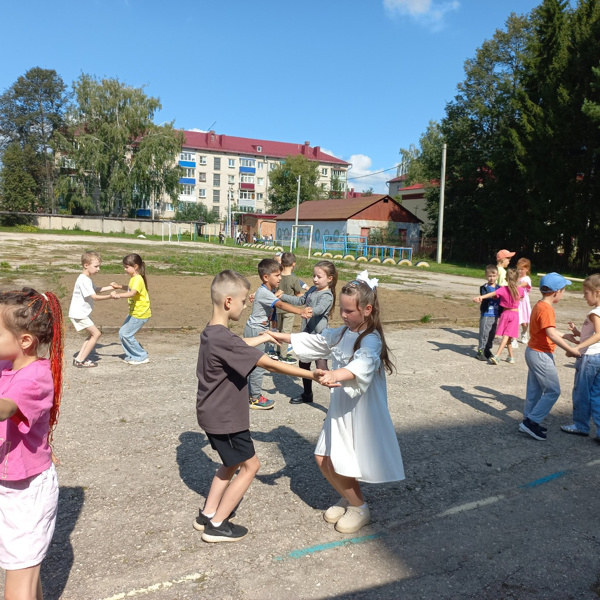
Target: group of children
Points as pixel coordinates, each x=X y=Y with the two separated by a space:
x=505 y=305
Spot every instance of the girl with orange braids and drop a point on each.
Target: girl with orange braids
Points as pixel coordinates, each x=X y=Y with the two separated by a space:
x=31 y=326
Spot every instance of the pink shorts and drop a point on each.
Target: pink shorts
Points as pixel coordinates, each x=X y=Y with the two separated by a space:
x=27 y=519
x=508 y=324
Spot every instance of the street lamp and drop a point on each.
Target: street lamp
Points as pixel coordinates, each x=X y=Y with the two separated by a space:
x=229 y=194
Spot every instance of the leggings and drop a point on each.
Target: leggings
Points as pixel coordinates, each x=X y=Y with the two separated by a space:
x=321 y=363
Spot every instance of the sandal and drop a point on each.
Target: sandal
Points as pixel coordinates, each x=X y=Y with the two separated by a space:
x=86 y=364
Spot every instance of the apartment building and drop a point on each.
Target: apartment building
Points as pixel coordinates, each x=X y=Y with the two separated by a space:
x=222 y=170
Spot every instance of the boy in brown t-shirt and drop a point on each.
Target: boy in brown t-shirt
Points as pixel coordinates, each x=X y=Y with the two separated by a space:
x=543 y=387
x=224 y=362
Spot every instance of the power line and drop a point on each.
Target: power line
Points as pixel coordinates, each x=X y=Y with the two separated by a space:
x=373 y=173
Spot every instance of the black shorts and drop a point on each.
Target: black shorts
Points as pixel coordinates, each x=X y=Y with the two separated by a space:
x=233 y=448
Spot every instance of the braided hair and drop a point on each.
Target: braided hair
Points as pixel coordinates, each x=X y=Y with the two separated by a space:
x=41 y=316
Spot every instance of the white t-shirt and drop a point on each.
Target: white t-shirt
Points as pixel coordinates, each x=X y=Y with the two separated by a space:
x=82 y=303
x=587 y=331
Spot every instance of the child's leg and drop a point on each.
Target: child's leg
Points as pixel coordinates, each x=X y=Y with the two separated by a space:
x=509 y=347
x=93 y=336
x=286 y=325
x=544 y=370
x=491 y=334
x=594 y=389
x=503 y=343
x=306 y=383
x=23 y=584
x=133 y=349
x=347 y=487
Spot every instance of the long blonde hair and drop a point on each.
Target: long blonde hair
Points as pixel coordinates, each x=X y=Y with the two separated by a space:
x=512 y=278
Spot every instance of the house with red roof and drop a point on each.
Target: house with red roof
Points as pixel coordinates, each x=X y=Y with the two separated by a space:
x=350 y=216
x=224 y=171
x=411 y=197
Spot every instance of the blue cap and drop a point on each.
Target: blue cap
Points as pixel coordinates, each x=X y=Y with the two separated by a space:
x=553 y=282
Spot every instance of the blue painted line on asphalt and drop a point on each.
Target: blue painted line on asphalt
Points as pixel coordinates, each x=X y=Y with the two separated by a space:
x=543 y=480
x=321 y=547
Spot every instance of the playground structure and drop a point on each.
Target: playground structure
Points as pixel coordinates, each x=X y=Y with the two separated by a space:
x=357 y=246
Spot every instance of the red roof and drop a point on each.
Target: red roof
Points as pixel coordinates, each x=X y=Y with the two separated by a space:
x=398 y=179
x=210 y=140
x=415 y=186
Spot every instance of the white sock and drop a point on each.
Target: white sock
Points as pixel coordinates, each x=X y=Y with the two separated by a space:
x=362 y=506
x=215 y=524
x=209 y=515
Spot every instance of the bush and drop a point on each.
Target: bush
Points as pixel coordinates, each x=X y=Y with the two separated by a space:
x=27 y=228
x=14 y=219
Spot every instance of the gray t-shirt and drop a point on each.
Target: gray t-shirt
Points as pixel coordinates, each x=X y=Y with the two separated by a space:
x=320 y=301
x=224 y=363
x=262 y=307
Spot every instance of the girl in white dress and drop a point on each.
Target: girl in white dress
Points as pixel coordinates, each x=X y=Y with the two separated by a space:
x=358 y=441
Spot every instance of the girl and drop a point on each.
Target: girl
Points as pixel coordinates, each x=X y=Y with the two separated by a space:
x=321 y=298
x=523 y=272
x=508 y=325
x=139 y=309
x=30 y=392
x=586 y=389
x=358 y=441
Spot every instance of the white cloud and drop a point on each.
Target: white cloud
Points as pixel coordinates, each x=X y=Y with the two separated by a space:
x=329 y=152
x=429 y=13
x=362 y=176
x=197 y=130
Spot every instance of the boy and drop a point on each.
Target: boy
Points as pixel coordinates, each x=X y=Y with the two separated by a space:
x=269 y=271
x=502 y=261
x=543 y=387
x=224 y=363
x=490 y=309
x=292 y=286
x=82 y=304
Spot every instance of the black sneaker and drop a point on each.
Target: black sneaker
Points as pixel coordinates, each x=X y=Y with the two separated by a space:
x=225 y=532
x=533 y=429
x=301 y=399
x=202 y=519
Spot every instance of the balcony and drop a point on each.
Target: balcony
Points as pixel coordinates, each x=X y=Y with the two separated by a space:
x=187 y=163
x=187 y=180
x=247 y=205
x=246 y=186
x=251 y=170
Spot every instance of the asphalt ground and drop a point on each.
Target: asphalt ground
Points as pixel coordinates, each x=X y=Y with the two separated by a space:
x=485 y=512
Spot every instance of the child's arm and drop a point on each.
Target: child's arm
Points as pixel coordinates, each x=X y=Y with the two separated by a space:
x=297 y=310
x=478 y=299
x=593 y=339
x=127 y=294
x=329 y=378
x=8 y=408
x=557 y=338
x=281 y=337
x=101 y=290
x=116 y=286
x=263 y=338
x=574 y=329
x=266 y=362
x=98 y=297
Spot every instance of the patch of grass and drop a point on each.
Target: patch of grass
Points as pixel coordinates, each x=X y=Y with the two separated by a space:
x=425 y=318
x=4 y=266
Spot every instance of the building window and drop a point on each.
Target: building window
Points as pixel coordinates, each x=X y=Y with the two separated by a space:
x=217 y=163
x=169 y=206
x=215 y=211
x=338 y=174
x=201 y=192
x=324 y=172
x=259 y=148
x=247 y=195
x=202 y=160
x=260 y=181
x=244 y=178
x=187 y=155
x=259 y=196
x=260 y=165
x=216 y=180
x=201 y=176
x=216 y=195
x=231 y=162
x=190 y=172
x=272 y=166
x=231 y=179
x=247 y=162
x=187 y=190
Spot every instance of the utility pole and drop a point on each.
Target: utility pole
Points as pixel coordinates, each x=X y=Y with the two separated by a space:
x=295 y=234
x=441 y=210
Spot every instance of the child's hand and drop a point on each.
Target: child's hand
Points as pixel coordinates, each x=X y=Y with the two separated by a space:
x=251 y=297
x=271 y=338
x=307 y=314
x=573 y=353
x=279 y=293
x=326 y=378
x=277 y=336
x=114 y=295
x=477 y=299
x=115 y=285
x=570 y=338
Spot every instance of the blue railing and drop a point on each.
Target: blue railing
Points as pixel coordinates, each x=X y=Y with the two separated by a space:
x=358 y=246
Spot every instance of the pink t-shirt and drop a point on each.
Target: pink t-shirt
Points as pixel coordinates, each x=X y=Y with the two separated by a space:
x=24 y=449
x=506 y=299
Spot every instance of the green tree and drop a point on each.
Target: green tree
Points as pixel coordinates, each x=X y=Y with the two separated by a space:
x=120 y=157
x=367 y=192
x=18 y=188
x=31 y=111
x=283 y=183
x=194 y=211
x=337 y=188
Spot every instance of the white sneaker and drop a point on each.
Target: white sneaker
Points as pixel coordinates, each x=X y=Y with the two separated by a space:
x=524 y=338
x=514 y=343
x=354 y=519
x=138 y=362
x=334 y=513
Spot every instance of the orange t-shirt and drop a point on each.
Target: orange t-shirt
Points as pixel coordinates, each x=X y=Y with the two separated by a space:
x=542 y=316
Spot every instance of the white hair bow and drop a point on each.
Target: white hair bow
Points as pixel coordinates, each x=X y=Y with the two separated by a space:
x=364 y=276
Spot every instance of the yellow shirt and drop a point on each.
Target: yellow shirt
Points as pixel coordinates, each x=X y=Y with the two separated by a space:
x=139 y=305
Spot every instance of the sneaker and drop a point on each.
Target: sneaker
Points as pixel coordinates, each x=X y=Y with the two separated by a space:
x=510 y=360
x=533 y=429
x=354 y=519
x=84 y=364
x=480 y=355
x=202 y=520
x=574 y=430
x=138 y=362
x=261 y=403
x=494 y=359
x=514 y=343
x=301 y=399
x=288 y=360
x=334 y=513
x=225 y=532
x=525 y=338
x=273 y=356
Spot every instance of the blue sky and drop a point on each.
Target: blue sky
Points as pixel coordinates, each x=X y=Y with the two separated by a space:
x=360 y=78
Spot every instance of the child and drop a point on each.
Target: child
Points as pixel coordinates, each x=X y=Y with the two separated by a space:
x=489 y=314
x=543 y=387
x=502 y=261
x=30 y=392
x=358 y=441
x=508 y=325
x=224 y=364
x=523 y=271
x=586 y=390
x=291 y=286
x=269 y=271
x=82 y=303
x=139 y=309
x=321 y=298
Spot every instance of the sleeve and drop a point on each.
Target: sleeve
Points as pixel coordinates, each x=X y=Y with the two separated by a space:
x=364 y=364
x=547 y=319
x=267 y=299
x=295 y=300
x=136 y=283
x=86 y=286
x=528 y=281
x=310 y=346
x=322 y=305
x=34 y=400
x=237 y=355
x=501 y=293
